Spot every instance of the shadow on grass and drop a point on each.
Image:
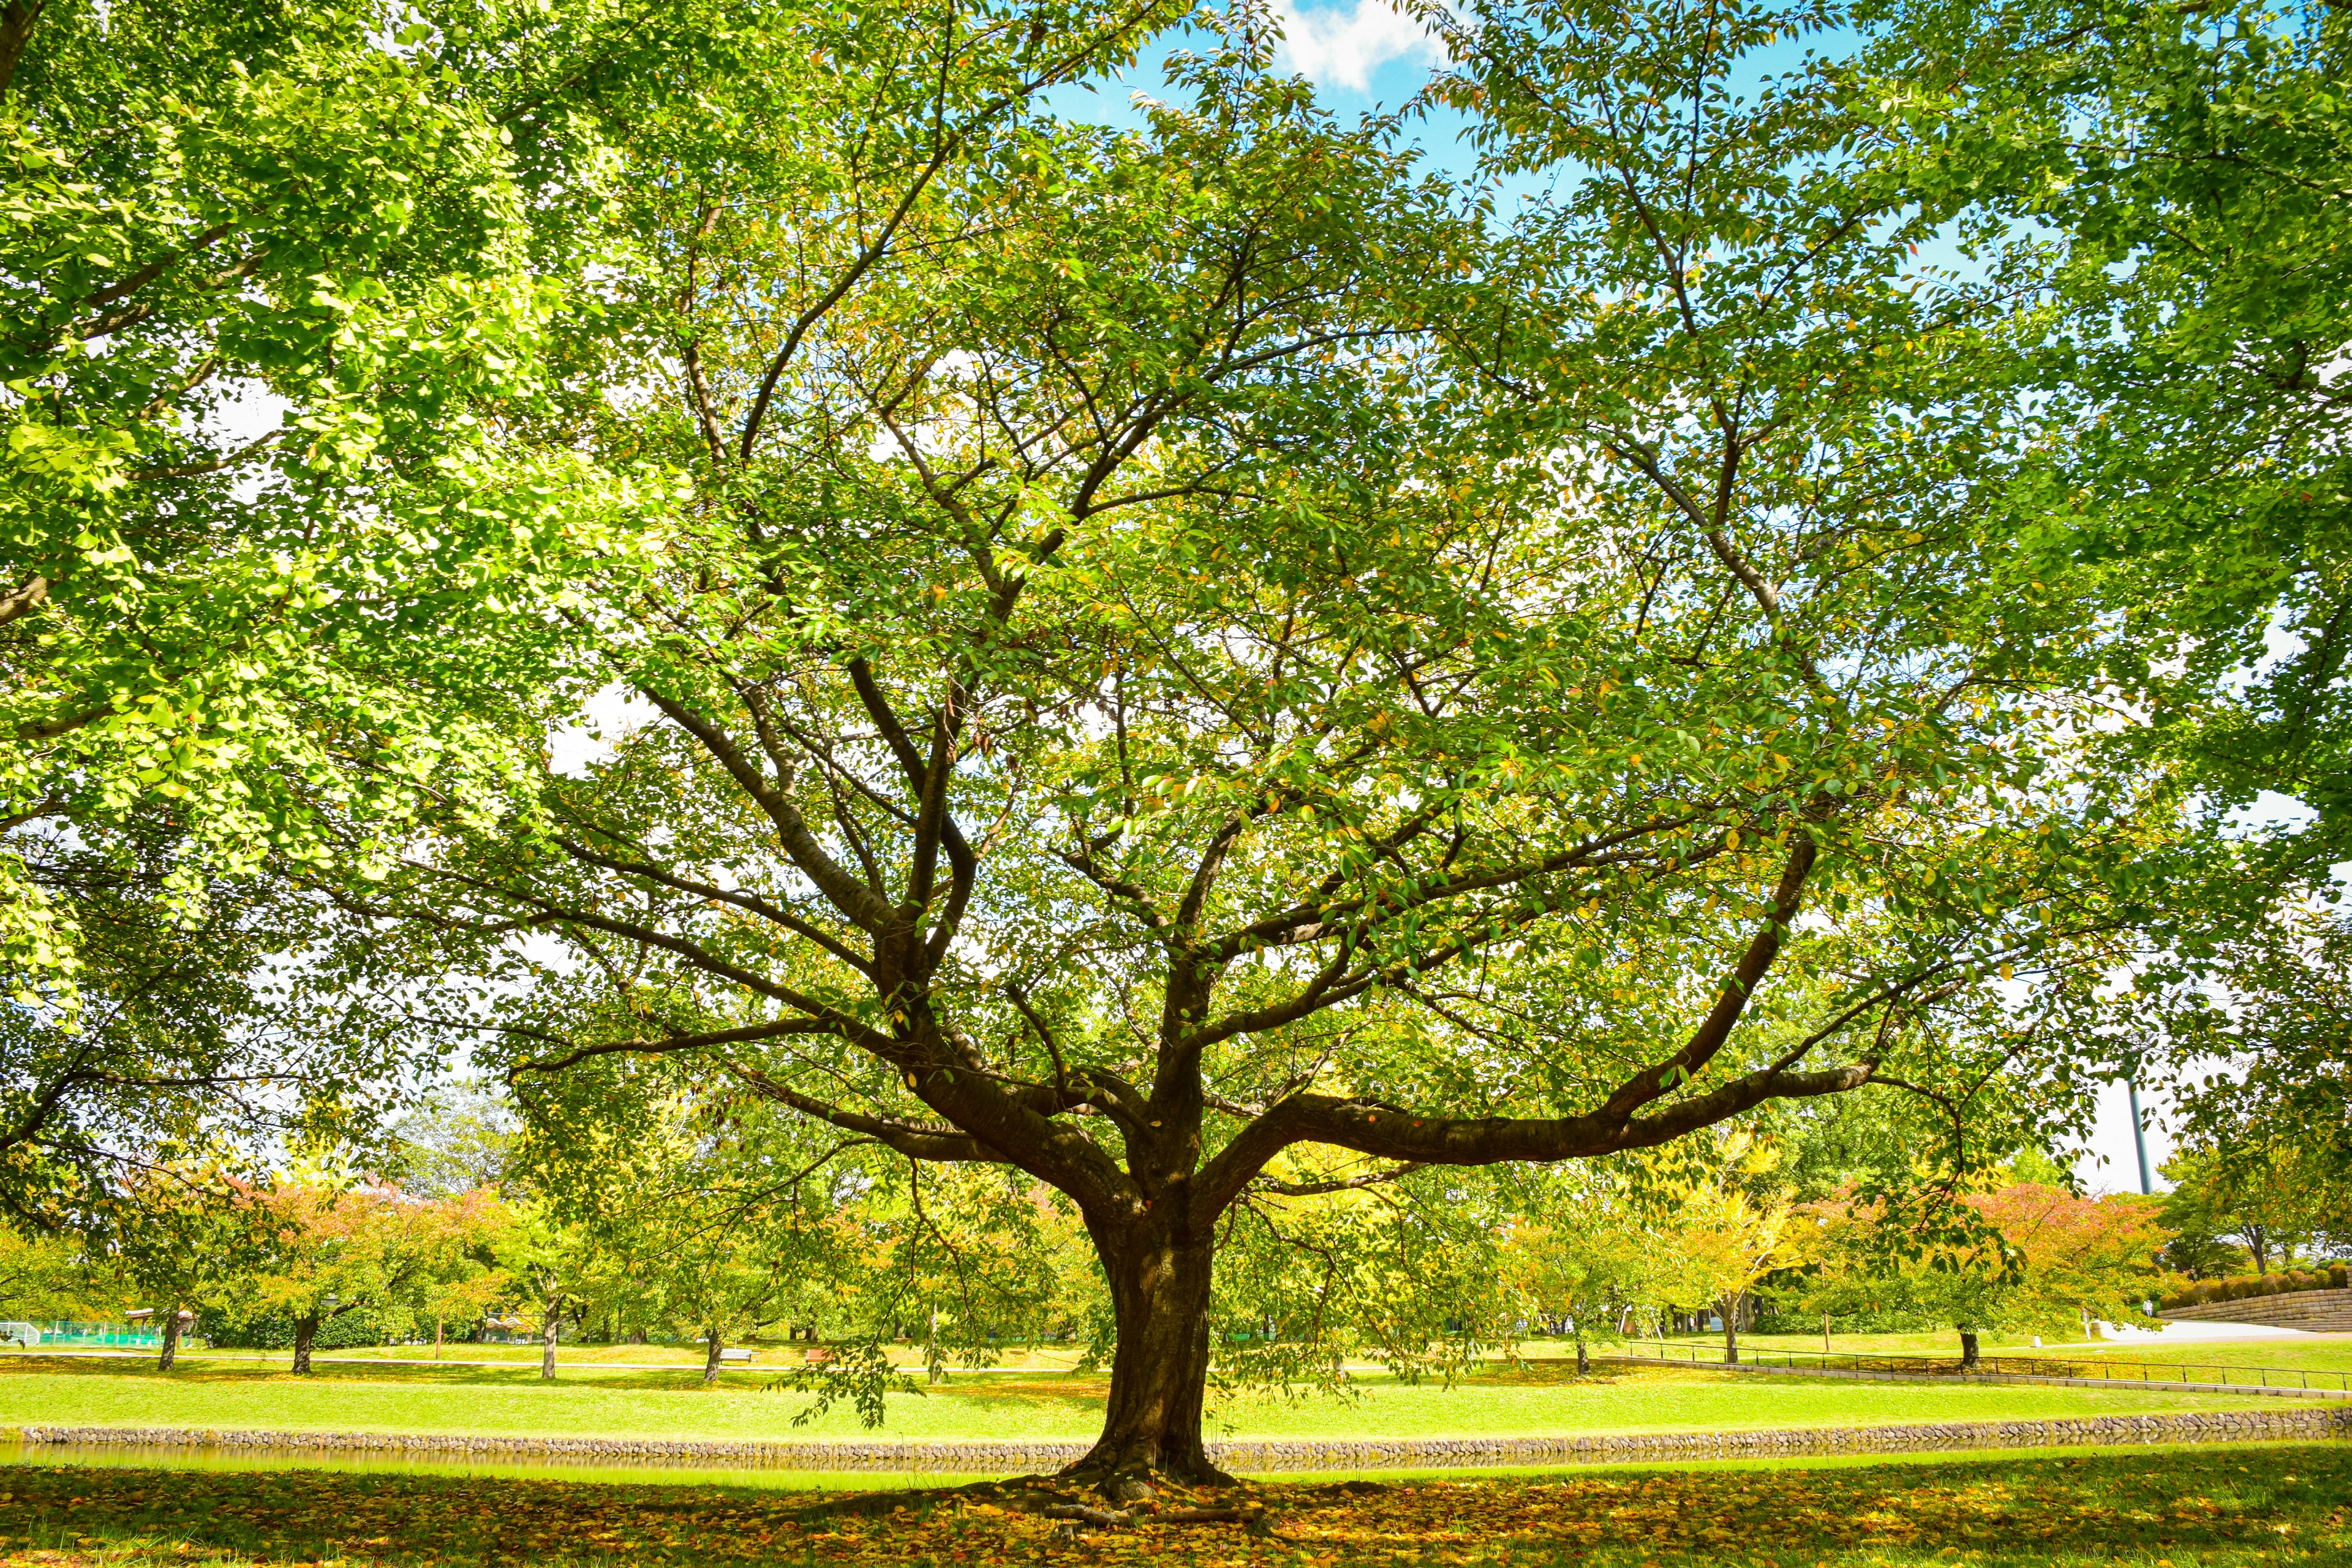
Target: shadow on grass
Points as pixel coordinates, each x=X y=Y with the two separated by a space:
x=2224 y=1505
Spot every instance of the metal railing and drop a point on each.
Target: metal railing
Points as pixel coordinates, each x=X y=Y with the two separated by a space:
x=34 y=1333
x=2101 y=1368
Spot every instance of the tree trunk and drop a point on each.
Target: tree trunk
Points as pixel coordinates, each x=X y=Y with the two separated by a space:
x=1160 y=1372
x=436 y=1339
x=547 y=1332
x=171 y=1352
x=1968 y=1349
x=1583 y=1358
x=306 y=1331
x=1731 y=1331
x=711 y=1362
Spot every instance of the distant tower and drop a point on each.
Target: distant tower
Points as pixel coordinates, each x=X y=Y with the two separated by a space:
x=2139 y=1138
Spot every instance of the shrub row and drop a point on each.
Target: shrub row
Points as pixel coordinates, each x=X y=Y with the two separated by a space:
x=2245 y=1287
x=270 y=1332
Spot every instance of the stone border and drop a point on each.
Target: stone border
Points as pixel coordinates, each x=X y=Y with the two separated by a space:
x=1268 y=1456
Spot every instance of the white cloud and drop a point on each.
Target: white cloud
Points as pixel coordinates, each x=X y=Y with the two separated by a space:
x=1343 y=48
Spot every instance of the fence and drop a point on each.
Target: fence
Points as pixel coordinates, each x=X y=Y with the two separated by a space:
x=126 y=1336
x=2100 y=1367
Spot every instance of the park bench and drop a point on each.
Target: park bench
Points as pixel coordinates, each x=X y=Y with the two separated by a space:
x=727 y=1355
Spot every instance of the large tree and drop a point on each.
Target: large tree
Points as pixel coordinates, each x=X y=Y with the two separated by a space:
x=1197 y=661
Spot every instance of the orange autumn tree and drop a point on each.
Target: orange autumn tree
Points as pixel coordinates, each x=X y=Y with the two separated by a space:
x=2023 y=1256
x=334 y=1251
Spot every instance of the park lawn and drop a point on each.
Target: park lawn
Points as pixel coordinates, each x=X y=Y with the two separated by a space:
x=2228 y=1507
x=2320 y=1352
x=2330 y=1353
x=770 y=1357
x=1537 y=1401
x=1940 y=1342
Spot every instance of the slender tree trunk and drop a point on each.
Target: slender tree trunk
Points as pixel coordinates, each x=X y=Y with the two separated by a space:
x=1731 y=1331
x=547 y=1332
x=1583 y=1358
x=711 y=1362
x=1825 y=1333
x=1968 y=1349
x=436 y=1339
x=171 y=1352
x=306 y=1333
x=1160 y=1372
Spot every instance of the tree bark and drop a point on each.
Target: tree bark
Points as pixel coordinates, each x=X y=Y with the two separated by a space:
x=1583 y=1358
x=1160 y=1372
x=1968 y=1349
x=1731 y=1331
x=711 y=1362
x=171 y=1352
x=306 y=1333
x=548 y=1332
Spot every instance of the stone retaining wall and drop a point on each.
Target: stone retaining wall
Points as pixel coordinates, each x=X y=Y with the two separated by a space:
x=2320 y=1312
x=1270 y=1456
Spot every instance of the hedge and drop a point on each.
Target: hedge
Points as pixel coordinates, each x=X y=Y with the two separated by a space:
x=350 y=1331
x=2333 y=1277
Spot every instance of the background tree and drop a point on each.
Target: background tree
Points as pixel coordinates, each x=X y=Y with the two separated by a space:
x=198 y=1237
x=189 y=1037
x=1726 y=1243
x=374 y=1248
x=1594 y=1271
x=2270 y=1199
x=455 y=1138
x=42 y=1276
x=549 y=1268
x=2023 y=1256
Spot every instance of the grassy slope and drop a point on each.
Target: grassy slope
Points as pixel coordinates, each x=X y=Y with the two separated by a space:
x=1535 y=1403
x=2227 y=1508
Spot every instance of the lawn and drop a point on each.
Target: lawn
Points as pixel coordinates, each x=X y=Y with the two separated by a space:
x=1054 y=1358
x=1543 y=1400
x=2328 y=1352
x=2226 y=1508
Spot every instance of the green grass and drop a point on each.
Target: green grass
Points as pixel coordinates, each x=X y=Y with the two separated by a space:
x=2328 y=1349
x=1539 y=1401
x=2329 y=1353
x=2214 y=1508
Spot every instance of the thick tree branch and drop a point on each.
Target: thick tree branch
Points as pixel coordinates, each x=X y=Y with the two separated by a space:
x=943 y=1144
x=849 y=895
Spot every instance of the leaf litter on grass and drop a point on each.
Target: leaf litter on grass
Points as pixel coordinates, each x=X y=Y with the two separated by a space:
x=2160 y=1509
